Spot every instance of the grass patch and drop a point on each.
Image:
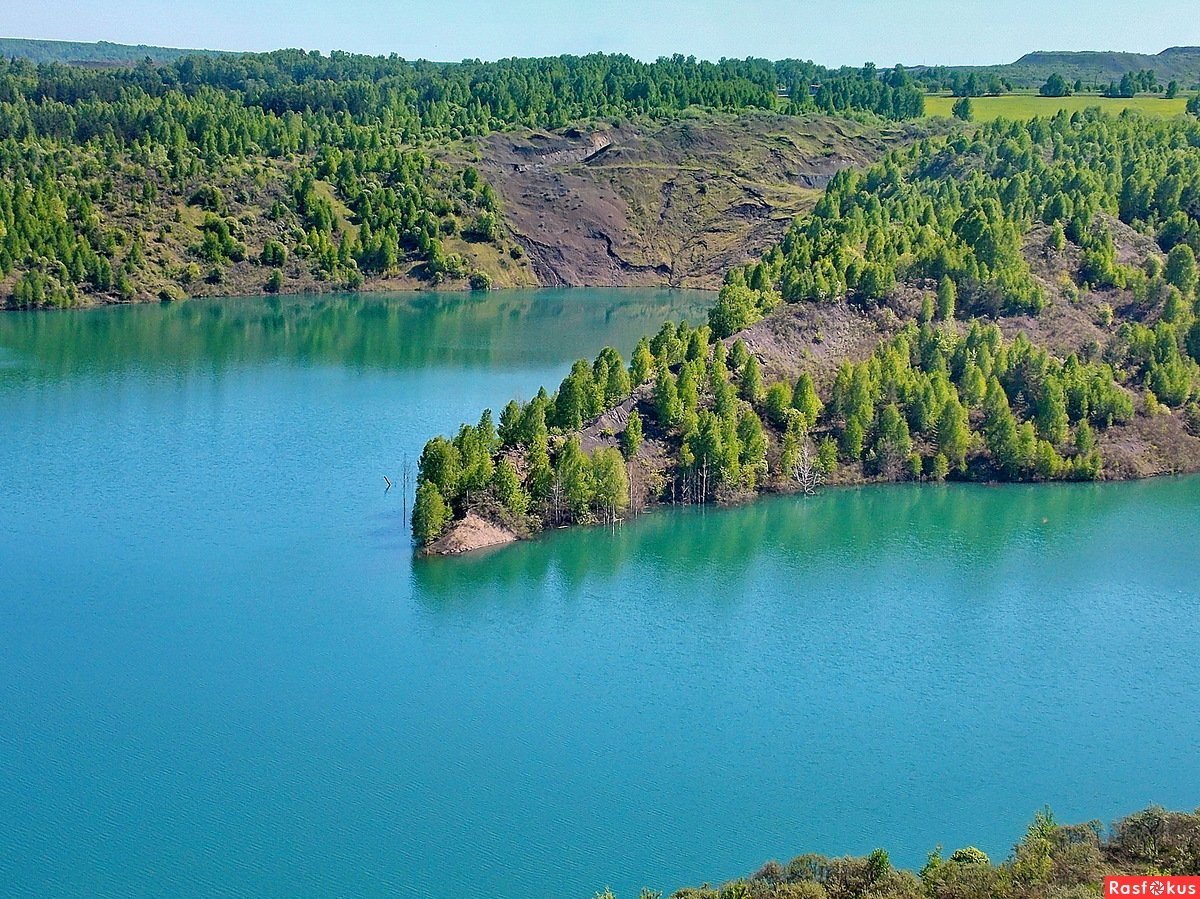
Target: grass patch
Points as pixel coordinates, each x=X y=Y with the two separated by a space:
x=1022 y=107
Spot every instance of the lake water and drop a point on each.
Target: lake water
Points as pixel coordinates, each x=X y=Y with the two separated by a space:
x=221 y=671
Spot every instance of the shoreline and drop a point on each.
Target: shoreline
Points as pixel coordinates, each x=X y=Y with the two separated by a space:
x=463 y=547
x=370 y=289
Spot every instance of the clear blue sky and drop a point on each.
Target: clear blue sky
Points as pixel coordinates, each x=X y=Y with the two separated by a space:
x=833 y=32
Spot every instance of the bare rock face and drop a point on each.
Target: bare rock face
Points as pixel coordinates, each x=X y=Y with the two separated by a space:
x=668 y=204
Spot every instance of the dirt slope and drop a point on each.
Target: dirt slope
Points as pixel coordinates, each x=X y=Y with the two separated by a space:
x=672 y=204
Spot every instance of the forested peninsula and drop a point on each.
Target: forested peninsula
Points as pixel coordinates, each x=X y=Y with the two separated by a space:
x=1017 y=303
x=1051 y=861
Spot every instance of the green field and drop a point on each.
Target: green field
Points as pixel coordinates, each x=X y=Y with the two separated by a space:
x=1028 y=106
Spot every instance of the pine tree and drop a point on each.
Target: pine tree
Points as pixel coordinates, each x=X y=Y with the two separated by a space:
x=954 y=434
x=778 y=403
x=573 y=473
x=631 y=437
x=947 y=299
x=1052 y=423
x=805 y=400
x=441 y=465
x=508 y=488
x=610 y=490
x=751 y=384
x=667 y=406
x=642 y=364
x=509 y=432
x=430 y=513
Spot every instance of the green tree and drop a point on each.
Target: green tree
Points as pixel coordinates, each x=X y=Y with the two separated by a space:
x=667 y=405
x=430 y=513
x=778 y=403
x=1051 y=414
x=805 y=400
x=893 y=443
x=1001 y=431
x=752 y=384
x=273 y=253
x=1181 y=269
x=573 y=473
x=611 y=377
x=509 y=432
x=752 y=448
x=947 y=299
x=508 y=488
x=827 y=456
x=642 y=364
x=610 y=482
x=578 y=398
x=954 y=434
x=1085 y=438
x=441 y=465
x=736 y=309
x=940 y=468
x=852 y=439
x=1055 y=86
x=963 y=109
x=631 y=437
x=541 y=476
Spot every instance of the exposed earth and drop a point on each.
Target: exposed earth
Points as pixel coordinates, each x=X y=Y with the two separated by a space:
x=668 y=204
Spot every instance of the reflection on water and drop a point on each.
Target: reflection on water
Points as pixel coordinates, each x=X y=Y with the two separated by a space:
x=496 y=330
x=976 y=525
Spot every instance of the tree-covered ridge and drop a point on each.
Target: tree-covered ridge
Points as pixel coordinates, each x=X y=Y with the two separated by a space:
x=327 y=161
x=937 y=238
x=961 y=209
x=1051 y=861
x=426 y=99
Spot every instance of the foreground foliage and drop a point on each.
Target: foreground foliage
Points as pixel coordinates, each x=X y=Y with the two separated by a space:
x=1052 y=861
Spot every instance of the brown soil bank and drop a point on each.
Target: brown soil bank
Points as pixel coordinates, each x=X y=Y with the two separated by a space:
x=669 y=204
x=473 y=532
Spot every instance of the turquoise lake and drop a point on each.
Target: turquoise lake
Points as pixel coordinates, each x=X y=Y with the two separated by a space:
x=221 y=671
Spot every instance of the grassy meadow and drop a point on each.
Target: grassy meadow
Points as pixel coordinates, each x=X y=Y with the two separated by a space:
x=1028 y=106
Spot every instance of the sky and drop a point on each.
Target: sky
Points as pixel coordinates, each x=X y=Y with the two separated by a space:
x=834 y=32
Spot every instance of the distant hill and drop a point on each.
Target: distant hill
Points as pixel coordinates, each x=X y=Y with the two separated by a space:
x=1182 y=63
x=100 y=53
x=1089 y=66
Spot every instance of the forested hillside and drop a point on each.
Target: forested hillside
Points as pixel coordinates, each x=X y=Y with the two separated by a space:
x=290 y=170
x=1016 y=304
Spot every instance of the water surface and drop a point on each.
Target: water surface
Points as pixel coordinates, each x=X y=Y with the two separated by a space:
x=220 y=670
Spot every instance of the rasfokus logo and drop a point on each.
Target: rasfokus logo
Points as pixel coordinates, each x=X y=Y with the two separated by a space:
x=1151 y=885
